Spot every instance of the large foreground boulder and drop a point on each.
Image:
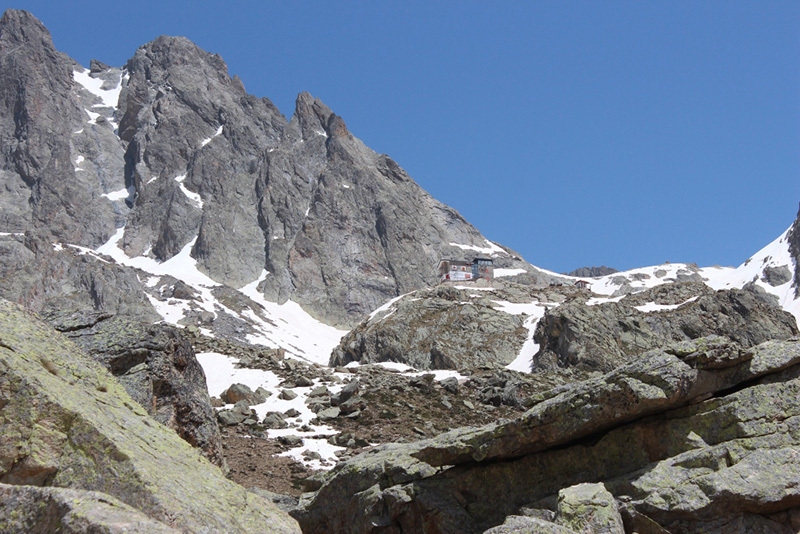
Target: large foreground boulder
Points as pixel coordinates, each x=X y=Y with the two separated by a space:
x=66 y=422
x=699 y=437
x=156 y=365
x=34 y=509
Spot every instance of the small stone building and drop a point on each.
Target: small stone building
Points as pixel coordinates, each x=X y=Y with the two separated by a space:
x=464 y=271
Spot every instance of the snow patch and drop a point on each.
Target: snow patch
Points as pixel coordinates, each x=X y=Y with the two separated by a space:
x=122 y=194
x=535 y=311
x=92 y=116
x=311 y=340
x=499 y=273
x=108 y=97
x=204 y=142
x=191 y=195
x=653 y=307
x=594 y=301
x=386 y=307
x=491 y=250
x=775 y=254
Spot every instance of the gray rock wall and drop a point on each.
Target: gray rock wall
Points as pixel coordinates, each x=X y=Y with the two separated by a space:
x=794 y=248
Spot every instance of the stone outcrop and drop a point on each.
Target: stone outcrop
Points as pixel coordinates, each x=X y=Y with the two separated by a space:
x=600 y=337
x=698 y=437
x=66 y=422
x=71 y=511
x=441 y=328
x=157 y=367
x=64 y=281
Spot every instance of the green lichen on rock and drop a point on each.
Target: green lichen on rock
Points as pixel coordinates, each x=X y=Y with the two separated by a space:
x=70 y=511
x=78 y=428
x=589 y=508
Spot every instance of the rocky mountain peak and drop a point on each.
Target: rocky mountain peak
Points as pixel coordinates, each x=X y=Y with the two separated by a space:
x=312 y=115
x=169 y=59
x=41 y=117
x=21 y=27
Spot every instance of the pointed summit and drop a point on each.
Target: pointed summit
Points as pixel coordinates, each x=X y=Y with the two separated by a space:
x=18 y=27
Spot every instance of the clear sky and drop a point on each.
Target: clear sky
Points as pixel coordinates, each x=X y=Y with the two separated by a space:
x=577 y=133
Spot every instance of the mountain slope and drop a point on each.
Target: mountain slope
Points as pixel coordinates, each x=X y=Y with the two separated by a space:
x=171 y=149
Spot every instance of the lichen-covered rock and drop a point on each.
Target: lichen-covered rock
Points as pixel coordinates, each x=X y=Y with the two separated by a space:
x=157 y=367
x=33 y=509
x=589 y=507
x=66 y=422
x=441 y=328
x=520 y=524
x=666 y=412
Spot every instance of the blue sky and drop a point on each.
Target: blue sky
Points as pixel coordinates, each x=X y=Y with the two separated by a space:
x=577 y=133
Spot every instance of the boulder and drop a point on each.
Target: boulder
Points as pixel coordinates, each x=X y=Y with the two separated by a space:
x=287 y=394
x=230 y=417
x=66 y=422
x=520 y=524
x=156 y=365
x=275 y=420
x=241 y=392
x=589 y=508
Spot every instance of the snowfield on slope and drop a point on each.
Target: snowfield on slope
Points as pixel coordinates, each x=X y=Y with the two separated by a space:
x=284 y=326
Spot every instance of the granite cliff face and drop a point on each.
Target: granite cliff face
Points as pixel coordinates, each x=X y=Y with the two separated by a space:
x=794 y=249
